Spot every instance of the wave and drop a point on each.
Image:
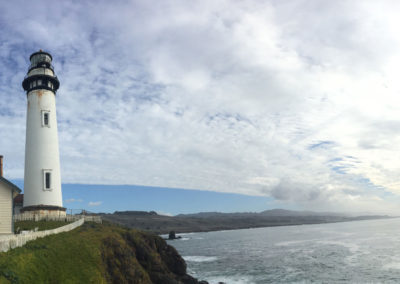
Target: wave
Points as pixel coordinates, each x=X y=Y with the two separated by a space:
x=182 y=237
x=242 y=279
x=392 y=265
x=198 y=258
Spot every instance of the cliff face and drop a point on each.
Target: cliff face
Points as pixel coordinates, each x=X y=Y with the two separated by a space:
x=95 y=253
x=137 y=257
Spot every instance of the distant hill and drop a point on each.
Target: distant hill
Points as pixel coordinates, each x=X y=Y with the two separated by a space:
x=272 y=212
x=284 y=212
x=214 y=221
x=136 y=213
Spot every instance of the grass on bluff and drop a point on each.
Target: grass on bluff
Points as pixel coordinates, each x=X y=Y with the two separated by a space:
x=92 y=253
x=71 y=257
x=41 y=225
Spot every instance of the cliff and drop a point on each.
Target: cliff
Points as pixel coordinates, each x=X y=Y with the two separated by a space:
x=95 y=253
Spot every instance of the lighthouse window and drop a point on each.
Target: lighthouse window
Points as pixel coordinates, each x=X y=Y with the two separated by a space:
x=47 y=179
x=34 y=84
x=46 y=118
x=39 y=82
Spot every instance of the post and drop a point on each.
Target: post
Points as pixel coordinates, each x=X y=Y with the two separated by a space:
x=1 y=166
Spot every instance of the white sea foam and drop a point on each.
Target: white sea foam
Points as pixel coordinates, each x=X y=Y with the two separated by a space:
x=242 y=279
x=187 y=234
x=199 y=258
x=294 y=243
x=352 y=247
x=392 y=265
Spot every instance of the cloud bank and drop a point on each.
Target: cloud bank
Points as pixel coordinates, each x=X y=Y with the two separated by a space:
x=297 y=100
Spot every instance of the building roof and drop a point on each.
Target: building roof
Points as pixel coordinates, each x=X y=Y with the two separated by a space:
x=10 y=184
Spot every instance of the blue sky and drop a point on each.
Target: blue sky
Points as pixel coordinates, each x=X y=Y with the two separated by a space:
x=166 y=201
x=292 y=104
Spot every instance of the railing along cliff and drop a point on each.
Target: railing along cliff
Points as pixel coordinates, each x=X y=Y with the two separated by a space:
x=68 y=218
x=8 y=242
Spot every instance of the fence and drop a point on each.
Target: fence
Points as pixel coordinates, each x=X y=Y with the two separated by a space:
x=27 y=216
x=12 y=241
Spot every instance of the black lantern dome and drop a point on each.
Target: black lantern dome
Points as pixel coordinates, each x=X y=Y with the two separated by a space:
x=41 y=73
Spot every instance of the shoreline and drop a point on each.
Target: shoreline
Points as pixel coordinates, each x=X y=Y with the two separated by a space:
x=162 y=225
x=283 y=225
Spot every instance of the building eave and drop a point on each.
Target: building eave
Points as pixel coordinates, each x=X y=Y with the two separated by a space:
x=10 y=185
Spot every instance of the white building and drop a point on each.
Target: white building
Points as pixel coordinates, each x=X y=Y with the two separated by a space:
x=8 y=191
x=42 y=180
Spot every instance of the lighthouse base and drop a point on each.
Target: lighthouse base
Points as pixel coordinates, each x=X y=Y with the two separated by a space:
x=44 y=212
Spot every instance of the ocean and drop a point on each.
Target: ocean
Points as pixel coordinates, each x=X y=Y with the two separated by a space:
x=348 y=252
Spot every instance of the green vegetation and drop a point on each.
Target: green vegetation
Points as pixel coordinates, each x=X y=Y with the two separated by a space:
x=41 y=225
x=95 y=253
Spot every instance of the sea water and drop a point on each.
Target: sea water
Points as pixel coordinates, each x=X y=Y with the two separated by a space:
x=356 y=252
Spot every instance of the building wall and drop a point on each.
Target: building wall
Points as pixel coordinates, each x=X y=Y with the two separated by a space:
x=6 y=199
x=41 y=151
x=17 y=208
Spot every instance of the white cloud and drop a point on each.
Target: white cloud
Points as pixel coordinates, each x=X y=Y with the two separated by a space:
x=73 y=200
x=219 y=96
x=95 y=203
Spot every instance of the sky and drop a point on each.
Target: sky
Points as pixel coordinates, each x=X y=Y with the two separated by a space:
x=262 y=103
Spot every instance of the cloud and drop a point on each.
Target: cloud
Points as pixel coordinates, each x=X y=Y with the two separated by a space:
x=287 y=190
x=73 y=200
x=164 y=213
x=95 y=203
x=254 y=97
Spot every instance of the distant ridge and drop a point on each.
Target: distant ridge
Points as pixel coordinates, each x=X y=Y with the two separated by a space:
x=215 y=221
x=136 y=213
x=284 y=212
x=271 y=213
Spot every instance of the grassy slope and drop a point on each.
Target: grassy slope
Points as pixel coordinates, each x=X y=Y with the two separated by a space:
x=94 y=253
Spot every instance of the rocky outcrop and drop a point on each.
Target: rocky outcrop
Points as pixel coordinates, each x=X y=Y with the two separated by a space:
x=139 y=257
x=95 y=253
x=172 y=236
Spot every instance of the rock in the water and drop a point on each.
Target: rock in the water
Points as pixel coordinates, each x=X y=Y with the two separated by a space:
x=172 y=236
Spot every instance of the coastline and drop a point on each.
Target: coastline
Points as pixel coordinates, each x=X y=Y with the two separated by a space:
x=289 y=225
x=161 y=225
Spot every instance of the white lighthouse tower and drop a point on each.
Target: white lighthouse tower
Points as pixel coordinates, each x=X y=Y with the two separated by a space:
x=42 y=181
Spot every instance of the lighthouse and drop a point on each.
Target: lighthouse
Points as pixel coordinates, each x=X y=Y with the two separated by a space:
x=42 y=179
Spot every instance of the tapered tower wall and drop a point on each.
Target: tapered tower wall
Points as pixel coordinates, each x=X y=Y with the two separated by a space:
x=41 y=151
x=42 y=179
